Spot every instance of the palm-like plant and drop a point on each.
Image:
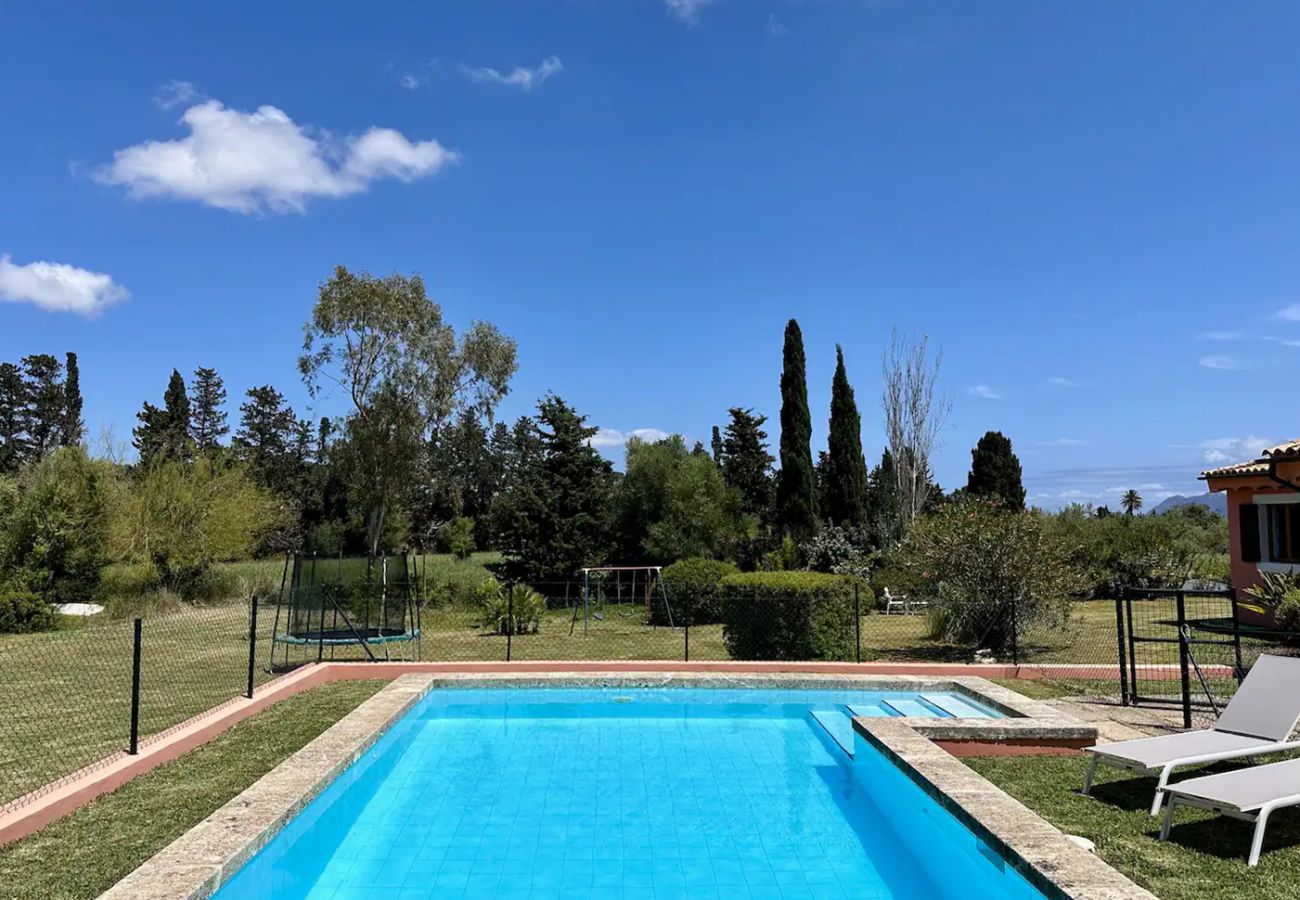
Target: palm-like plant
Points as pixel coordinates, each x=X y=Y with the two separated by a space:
x=1131 y=501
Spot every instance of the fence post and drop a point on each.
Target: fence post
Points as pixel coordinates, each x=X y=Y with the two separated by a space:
x=1240 y=670
x=510 y=620
x=686 y=629
x=1119 y=641
x=252 y=641
x=134 y=747
x=1015 y=628
x=857 y=625
x=1183 y=674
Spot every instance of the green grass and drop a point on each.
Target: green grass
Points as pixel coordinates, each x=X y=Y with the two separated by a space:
x=1205 y=858
x=87 y=852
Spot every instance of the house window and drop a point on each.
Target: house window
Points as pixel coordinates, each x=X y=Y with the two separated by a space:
x=1283 y=523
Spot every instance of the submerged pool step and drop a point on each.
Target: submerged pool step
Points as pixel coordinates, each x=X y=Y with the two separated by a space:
x=837 y=725
x=913 y=709
x=955 y=706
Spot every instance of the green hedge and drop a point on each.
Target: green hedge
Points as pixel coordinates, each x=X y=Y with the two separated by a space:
x=22 y=612
x=788 y=615
x=693 y=591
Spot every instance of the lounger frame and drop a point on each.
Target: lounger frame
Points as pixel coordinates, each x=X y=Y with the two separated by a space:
x=1258 y=816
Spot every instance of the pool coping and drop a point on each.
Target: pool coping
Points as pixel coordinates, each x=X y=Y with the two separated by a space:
x=1038 y=850
x=198 y=862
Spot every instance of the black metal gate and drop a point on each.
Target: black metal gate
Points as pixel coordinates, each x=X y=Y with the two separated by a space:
x=1178 y=648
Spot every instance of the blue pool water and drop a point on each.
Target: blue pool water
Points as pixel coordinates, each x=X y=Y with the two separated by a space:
x=639 y=794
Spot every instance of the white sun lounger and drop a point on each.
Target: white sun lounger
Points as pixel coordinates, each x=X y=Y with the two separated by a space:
x=1258 y=720
x=1250 y=794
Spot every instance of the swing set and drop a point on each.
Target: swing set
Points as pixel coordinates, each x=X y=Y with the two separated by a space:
x=632 y=586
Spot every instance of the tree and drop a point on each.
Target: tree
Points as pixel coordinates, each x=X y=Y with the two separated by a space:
x=406 y=373
x=746 y=462
x=846 y=473
x=716 y=445
x=208 y=416
x=995 y=472
x=73 y=429
x=1131 y=502
x=13 y=415
x=46 y=404
x=265 y=439
x=882 y=503
x=795 y=488
x=164 y=433
x=672 y=504
x=914 y=416
x=554 y=517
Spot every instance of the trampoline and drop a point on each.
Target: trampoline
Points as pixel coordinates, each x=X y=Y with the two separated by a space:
x=371 y=604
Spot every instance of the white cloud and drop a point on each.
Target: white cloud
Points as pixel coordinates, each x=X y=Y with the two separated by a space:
x=519 y=76
x=410 y=82
x=1222 y=363
x=176 y=93
x=264 y=161
x=1059 y=381
x=607 y=438
x=1289 y=313
x=776 y=27
x=1234 y=449
x=686 y=11
x=984 y=391
x=58 y=287
x=1224 y=336
x=1062 y=442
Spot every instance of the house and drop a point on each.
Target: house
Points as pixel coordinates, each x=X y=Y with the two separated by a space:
x=1263 y=519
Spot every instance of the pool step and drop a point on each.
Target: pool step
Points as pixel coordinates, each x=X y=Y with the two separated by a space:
x=871 y=712
x=913 y=709
x=837 y=726
x=955 y=706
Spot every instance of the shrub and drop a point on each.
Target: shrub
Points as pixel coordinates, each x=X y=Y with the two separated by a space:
x=787 y=615
x=1212 y=567
x=988 y=571
x=52 y=542
x=693 y=592
x=1288 y=611
x=22 y=612
x=504 y=614
x=459 y=536
x=840 y=551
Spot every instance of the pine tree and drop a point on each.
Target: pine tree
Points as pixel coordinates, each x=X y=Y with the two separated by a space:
x=164 y=433
x=882 y=502
x=746 y=463
x=846 y=473
x=208 y=418
x=995 y=472
x=266 y=437
x=43 y=421
x=795 y=511
x=74 y=429
x=13 y=415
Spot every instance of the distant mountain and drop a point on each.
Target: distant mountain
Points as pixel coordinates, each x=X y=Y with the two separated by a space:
x=1216 y=503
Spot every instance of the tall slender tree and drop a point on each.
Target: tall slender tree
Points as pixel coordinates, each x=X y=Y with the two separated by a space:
x=716 y=445
x=13 y=415
x=995 y=472
x=164 y=433
x=74 y=429
x=846 y=475
x=208 y=415
x=795 y=487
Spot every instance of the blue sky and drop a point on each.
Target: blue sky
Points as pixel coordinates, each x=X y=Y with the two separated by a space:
x=1091 y=208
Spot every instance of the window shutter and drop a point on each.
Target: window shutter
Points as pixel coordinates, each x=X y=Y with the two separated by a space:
x=1248 y=519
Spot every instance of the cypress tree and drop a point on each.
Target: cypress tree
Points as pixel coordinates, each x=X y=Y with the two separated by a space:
x=717 y=445
x=995 y=472
x=795 y=487
x=208 y=419
x=74 y=429
x=164 y=433
x=846 y=473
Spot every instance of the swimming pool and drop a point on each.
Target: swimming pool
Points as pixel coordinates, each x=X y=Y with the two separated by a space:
x=632 y=793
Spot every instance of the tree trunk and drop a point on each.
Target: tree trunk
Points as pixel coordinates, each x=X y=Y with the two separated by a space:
x=375 y=529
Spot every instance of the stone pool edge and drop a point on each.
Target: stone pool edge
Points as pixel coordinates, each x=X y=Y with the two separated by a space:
x=197 y=863
x=1037 y=849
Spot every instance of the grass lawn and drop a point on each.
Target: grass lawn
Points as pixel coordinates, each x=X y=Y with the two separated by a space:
x=1205 y=858
x=87 y=852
